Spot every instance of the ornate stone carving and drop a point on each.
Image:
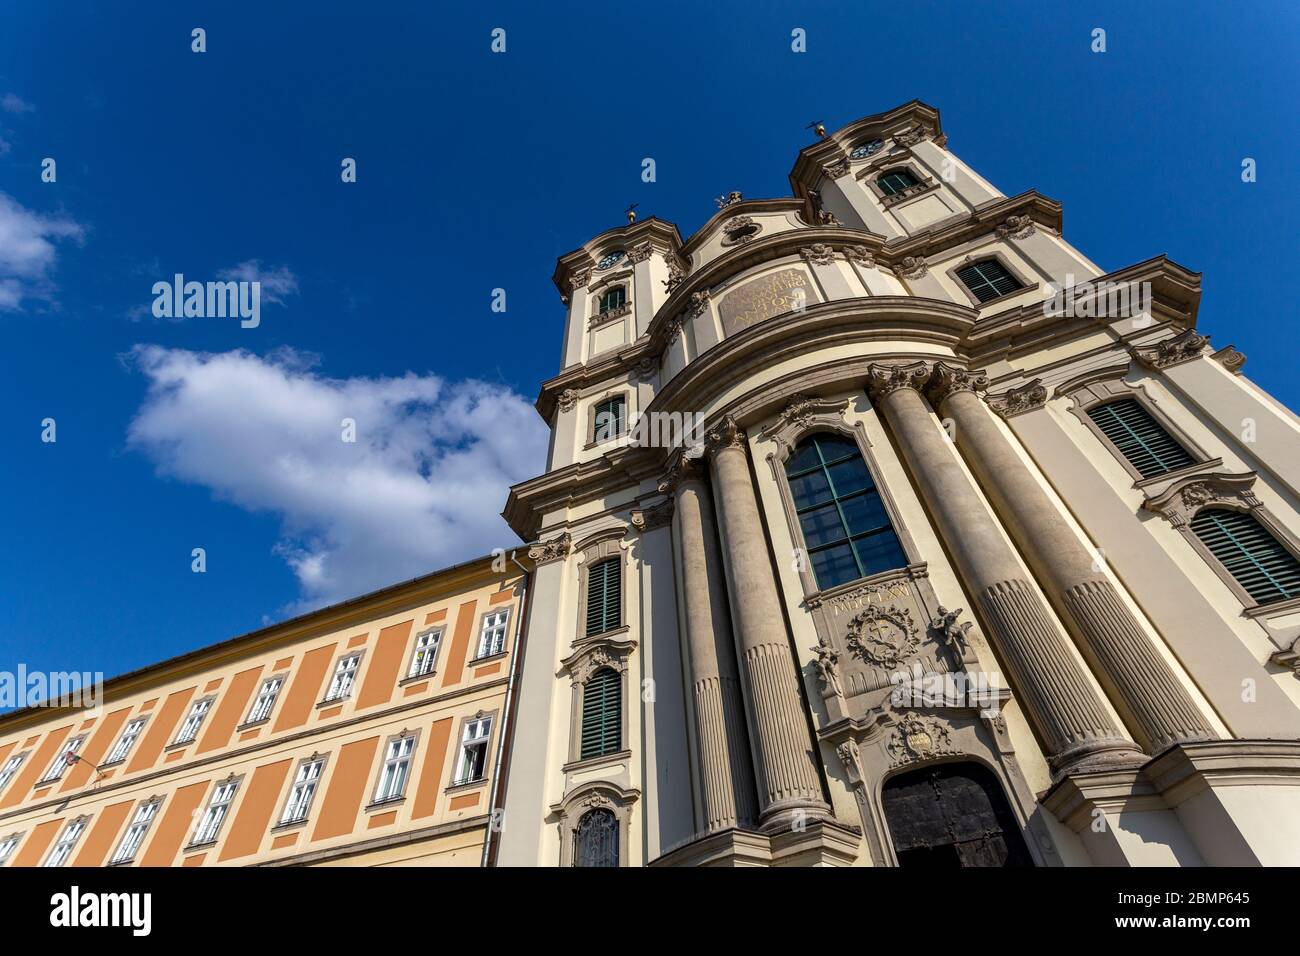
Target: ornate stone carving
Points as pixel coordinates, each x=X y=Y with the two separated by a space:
x=884 y=636
x=1016 y=401
x=730 y=199
x=738 y=230
x=609 y=315
x=646 y=368
x=1181 y=348
x=954 y=636
x=1178 y=503
x=801 y=412
x=918 y=737
x=1016 y=227
x=1230 y=359
x=554 y=550
x=639 y=253
x=828 y=668
x=699 y=303
x=580 y=279
x=861 y=255
x=911 y=267
x=567 y=399
x=656 y=516
x=913 y=136
x=851 y=757
x=836 y=169
x=674 y=327
x=725 y=434
x=683 y=468
x=884 y=379
x=819 y=254
x=947 y=379
x=1289 y=657
x=827 y=218
x=676 y=272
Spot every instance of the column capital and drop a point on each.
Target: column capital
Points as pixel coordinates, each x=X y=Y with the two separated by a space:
x=948 y=379
x=725 y=434
x=884 y=380
x=552 y=550
x=1016 y=401
x=655 y=516
x=683 y=468
x=1181 y=348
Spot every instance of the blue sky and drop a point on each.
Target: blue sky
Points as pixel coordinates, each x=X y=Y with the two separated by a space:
x=475 y=170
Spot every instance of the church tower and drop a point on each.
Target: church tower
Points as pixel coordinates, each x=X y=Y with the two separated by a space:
x=881 y=527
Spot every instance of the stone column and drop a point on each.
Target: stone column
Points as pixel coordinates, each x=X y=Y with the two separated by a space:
x=1071 y=722
x=1141 y=685
x=785 y=765
x=726 y=771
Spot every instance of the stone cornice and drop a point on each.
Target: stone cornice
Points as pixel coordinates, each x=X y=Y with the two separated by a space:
x=744 y=207
x=809 y=165
x=577 y=484
x=1184 y=347
x=657 y=232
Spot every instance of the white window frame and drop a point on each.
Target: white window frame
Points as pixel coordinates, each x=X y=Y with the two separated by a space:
x=126 y=741
x=10 y=770
x=61 y=852
x=396 y=772
x=7 y=847
x=344 y=679
x=303 y=792
x=264 y=702
x=498 y=632
x=424 y=657
x=189 y=731
x=476 y=732
x=133 y=839
x=60 y=764
x=218 y=810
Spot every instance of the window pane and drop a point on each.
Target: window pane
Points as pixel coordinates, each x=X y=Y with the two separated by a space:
x=849 y=476
x=810 y=489
x=865 y=512
x=834 y=565
x=822 y=526
x=880 y=552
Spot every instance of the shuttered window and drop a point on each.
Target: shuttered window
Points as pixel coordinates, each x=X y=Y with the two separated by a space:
x=1257 y=561
x=602 y=714
x=1139 y=438
x=604 y=596
x=607 y=421
x=896 y=181
x=845 y=526
x=988 y=280
x=613 y=299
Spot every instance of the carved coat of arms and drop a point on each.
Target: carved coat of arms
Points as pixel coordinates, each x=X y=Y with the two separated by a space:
x=884 y=636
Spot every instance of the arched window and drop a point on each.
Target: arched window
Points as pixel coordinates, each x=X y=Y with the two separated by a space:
x=1257 y=561
x=845 y=526
x=613 y=299
x=1139 y=437
x=895 y=181
x=604 y=596
x=988 y=280
x=602 y=714
x=950 y=816
x=596 y=840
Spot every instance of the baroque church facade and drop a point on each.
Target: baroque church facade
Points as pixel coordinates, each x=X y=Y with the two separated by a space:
x=979 y=556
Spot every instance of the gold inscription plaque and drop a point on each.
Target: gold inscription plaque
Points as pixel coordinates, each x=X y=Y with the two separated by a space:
x=785 y=291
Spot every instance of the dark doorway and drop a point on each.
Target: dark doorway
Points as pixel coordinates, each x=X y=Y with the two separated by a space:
x=952 y=815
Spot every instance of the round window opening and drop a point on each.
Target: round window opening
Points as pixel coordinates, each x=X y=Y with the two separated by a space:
x=866 y=149
x=738 y=230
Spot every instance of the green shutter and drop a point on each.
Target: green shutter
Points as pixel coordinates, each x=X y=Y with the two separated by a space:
x=604 y=596
x=608 y=420
x=1140 y=439
x=602 y=714
x=987 y=280
x=1260 y=564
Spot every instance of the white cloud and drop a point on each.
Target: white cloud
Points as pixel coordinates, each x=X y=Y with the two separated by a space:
x=13 y=103
x=28 y=253
x=277 y=283
x=421 y=488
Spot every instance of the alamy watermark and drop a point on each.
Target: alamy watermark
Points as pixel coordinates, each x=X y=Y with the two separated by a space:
x=917 y=688
x=179 y=299
x=1100 y=299
x=77 y=689
x=653 y=429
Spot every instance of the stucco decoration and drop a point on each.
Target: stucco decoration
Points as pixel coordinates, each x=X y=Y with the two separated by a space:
x=861 y=255
x=1179 y=503
x=1018 y=400
x=836 y=169
x=699 y=303
x=1016 y=227
x=947 y=379
x=828 y=669
x=882 y=380
x=739 y=230
x=639 y=253
x=656 y=516
x=800 y=415
x=676 y=272
x=646 y=368
x=1230 y=359
x=553 y=550
x=730 y=199
x=1183 y=347
x=955 y=637
x=819 y=254
x=567 y=399
x=919 y=737
x=884 y=635
x=911 y=267
x=596 y=795
x=725 y=434
x=757 y=300
x=674 y=327
x=913 y=136
x=580 y=279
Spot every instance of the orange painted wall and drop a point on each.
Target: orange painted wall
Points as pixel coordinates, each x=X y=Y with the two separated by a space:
x=305 y=689
x=103 y=833
x=347 y=788
x=250 y=824
x=36 y=843
x=426 y=794
x=175 y=825
x=233 y=706
x=160 y=729
x=381 y=677
x=35 y=765
x=94 y=750
x=459 y=644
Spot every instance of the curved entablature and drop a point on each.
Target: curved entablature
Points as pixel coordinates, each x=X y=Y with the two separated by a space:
x=576 y=269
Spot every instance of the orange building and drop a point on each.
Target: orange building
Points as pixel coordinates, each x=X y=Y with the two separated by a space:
x=366 y=733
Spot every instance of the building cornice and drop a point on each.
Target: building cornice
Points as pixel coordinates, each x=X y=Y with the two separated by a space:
x=659 y=233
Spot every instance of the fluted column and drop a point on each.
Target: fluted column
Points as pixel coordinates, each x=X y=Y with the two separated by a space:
x=726 y=771
x=1141 y=685
x=1071 y=722
x=785 y=765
